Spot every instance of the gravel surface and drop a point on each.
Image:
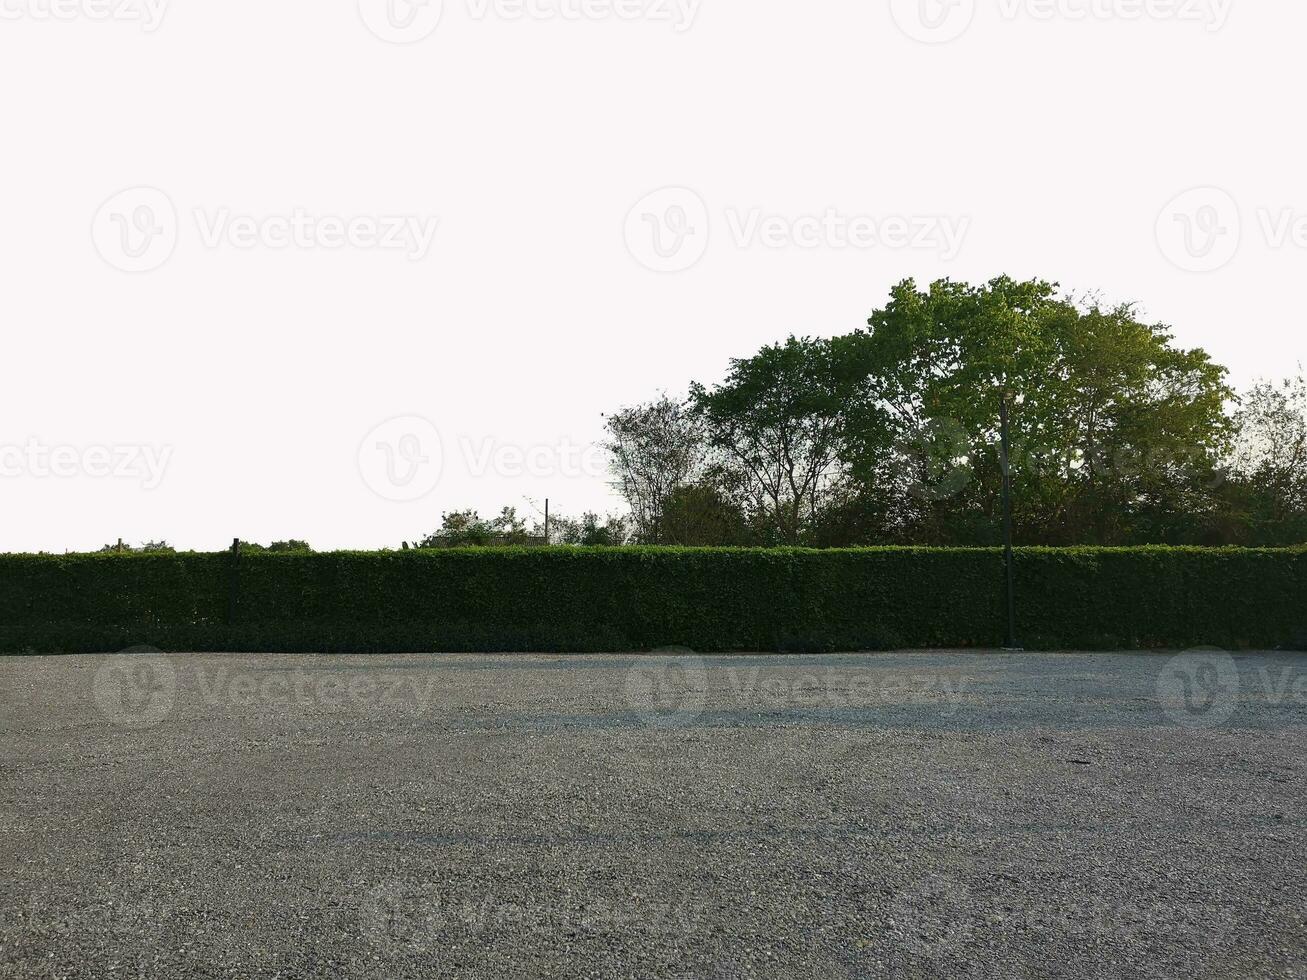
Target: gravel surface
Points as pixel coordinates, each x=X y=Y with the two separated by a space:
x=921 y=814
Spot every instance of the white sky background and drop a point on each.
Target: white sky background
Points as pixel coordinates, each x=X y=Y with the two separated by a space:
x=1056 y=141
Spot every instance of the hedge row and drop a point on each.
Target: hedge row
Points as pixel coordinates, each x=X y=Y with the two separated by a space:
x=556 y=599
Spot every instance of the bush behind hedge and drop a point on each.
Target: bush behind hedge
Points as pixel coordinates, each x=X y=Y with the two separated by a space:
x=614 y=599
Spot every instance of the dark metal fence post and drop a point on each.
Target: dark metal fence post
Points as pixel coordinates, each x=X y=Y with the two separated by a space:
x=233 y=580
x=1010 y=642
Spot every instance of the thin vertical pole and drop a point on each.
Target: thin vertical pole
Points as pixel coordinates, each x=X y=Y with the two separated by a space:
x=546 y=522
x=1011 y=640
x=233 y=575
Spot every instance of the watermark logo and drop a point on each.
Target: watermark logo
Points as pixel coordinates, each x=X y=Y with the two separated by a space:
x=402 y=460
x=939 y=918
x=148 y=13
x=668 y=230
x=837 y=231
x=564 y=458
x=1283 y=227
x=933 y=21
x=402 y=917
x=401 y=21
x=668 y=689
x=136 y=229
x=407 y=21
x=935 y=454
x=1200 y=230
x=1203 y=688
x=135 y=689
x=37 y=460
x=834 y=689
x=1212 y=15
x=1199 y=688
x=941 y=21
x=299 y=229
x=138 y=689
x=671 y=688
x=932 y=917
x=679 y=13
x=329 y=691
x=407 y=918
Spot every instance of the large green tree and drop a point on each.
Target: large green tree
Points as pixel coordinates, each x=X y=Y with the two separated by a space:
x=1116 y=432
x=777 y=424
x=891 y=433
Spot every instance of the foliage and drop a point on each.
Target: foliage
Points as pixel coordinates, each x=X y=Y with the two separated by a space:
x=467 y=529
x=589 y=530
x=1266 y=498
x=705 y=515
x=249 y=547
x=655 y=449
x=778 y=419
x=890 y=434
x=636 y=598
x=144 y=548
x=1112 y=426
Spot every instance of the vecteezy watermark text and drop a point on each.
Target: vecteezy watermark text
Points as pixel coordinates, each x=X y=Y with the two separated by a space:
x=680 y=14
x=831 y=229
x=1203 y=229
x=1211 y=15
x=1204 y=687
x=403 y=916
x=941 y=916
x=403 y=459
x=300 y=229
x=565 y=458
x=138 y=229
x=140 y=687
x=941 y=21
x=674 y=687
x=669 y=230
x=37 y=460
x=148 y=13
x=409 y=21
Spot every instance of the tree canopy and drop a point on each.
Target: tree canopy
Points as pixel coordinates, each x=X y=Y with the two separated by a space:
x=890 y=433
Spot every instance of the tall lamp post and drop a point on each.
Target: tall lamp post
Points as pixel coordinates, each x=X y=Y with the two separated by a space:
x=1010 y=640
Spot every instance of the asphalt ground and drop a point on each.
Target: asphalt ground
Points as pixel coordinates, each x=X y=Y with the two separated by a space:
x=883 y=815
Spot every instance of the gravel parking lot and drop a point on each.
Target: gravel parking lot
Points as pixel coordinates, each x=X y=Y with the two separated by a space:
x=919 y=814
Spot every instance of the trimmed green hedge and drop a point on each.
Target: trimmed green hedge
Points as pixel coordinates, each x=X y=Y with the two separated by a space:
x=613 y=599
